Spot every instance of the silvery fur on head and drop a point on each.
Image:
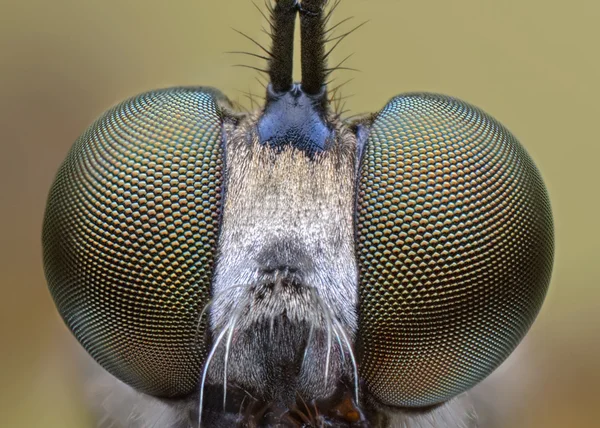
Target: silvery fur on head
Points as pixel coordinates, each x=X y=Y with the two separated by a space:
x=286 y=279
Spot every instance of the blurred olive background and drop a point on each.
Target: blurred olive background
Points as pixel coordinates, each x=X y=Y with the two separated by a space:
x=533 y=64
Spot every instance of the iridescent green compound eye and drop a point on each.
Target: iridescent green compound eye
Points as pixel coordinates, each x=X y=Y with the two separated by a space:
x=130 y=235
x=455 y=249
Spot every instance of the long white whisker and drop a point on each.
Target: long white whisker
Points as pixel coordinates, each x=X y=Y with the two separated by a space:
x=339 y=341
x=205 y=371
x=310 y=335
x=352 y=358
x=329 y=342
x=204 y=309
x=338 y=328
x=227 y=348
x=327 y=315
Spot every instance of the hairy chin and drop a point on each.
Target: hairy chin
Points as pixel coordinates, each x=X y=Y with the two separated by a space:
x=489 y=405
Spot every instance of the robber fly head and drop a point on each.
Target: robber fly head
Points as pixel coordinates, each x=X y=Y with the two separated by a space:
x=288 y=256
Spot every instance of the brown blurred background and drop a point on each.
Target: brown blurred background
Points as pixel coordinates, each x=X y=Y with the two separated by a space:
x=533 y=64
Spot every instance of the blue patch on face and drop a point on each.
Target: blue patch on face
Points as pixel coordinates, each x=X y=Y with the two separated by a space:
x=294 y=119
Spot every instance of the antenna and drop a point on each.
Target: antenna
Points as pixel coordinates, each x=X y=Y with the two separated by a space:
x=312 y=35
x=281 y=62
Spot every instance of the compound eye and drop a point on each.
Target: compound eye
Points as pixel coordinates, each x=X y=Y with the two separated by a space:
x=130 y=234
x=455 y=249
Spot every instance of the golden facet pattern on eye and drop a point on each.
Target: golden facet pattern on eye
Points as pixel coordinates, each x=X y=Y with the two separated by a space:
x=130 y=235
x=455 y=249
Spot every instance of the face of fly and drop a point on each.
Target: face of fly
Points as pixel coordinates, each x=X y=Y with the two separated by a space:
x=284 y=311
x=288 y=268
x=374 y=236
